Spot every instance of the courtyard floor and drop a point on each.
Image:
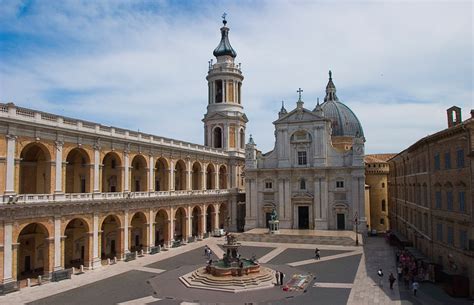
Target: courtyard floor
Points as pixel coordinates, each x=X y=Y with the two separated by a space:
x=344 y=275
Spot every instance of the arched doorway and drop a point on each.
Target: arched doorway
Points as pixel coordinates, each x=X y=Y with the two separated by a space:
x=217 y=137
x=196 y=178
x=161 y=228
x=180 y=176
x=210 y=181
x=210 y=219
x=78 y=171
x=76 y=244
x=196 y=224
x=161 y=175
x=138 y=232
x=180 y=224
x=222 y=177
x=223 y=214
x=111 y=237
x=33 y=251
x=35 y=170
x=139 y=174
x=111 y=173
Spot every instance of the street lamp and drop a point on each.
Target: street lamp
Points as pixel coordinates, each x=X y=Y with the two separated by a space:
x=356 y=221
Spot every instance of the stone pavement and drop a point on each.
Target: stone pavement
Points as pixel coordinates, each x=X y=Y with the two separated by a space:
x=356 y=283
x=377 y=254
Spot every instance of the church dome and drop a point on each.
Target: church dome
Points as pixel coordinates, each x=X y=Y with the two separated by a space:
x=344 y=121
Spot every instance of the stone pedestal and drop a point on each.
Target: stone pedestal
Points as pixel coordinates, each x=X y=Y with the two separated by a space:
x=274 y=226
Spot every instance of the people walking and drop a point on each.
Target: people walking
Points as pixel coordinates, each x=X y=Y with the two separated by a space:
x=277 y=277
x=282 y=275
x=400 y=272
x=205 y=250
x=415 y=287
x=380 y=274
x=317 y=254
x=391 y=279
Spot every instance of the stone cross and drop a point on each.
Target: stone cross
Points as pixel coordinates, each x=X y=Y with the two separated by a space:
x=299 y=92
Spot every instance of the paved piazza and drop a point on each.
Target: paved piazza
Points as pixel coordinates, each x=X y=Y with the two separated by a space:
x=344 y=275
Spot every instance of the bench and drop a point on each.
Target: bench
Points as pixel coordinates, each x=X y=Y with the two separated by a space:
x=9 y=287
x=154 y=250
x=130 y=256
x=60 y=275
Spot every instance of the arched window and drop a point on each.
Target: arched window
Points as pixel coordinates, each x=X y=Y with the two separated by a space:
x=217 y=137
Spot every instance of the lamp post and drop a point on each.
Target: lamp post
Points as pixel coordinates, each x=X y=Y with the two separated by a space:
x=356 y=221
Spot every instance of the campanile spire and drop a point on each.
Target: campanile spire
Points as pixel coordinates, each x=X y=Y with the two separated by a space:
x=224 y=122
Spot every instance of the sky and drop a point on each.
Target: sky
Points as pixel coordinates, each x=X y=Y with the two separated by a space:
x=141 y=65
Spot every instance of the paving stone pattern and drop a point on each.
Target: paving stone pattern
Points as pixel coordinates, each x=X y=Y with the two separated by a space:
x=123 y=287
x=294 y=255
x=297 y=239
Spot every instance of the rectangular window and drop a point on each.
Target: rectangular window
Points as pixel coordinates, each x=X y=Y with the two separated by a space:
x=382 y=221
x=463 y=239
x=301 y=158
x=384 y=207
x=436 y=162
x=447 y=160
x=268 y=185
x=449 y=200
x=339 y=184
x=439 y=232
x=450 y=236
x=462 y=201
x=460 y=158
x=438 y=199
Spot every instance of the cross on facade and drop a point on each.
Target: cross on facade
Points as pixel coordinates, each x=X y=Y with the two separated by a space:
x=224 y=15
x=299 y=92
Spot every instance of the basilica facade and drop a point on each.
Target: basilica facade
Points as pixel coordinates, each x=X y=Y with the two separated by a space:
x=314 y=176
x=74 y=192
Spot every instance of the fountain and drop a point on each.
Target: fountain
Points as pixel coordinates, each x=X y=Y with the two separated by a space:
x=232 y=273
x=232 y=263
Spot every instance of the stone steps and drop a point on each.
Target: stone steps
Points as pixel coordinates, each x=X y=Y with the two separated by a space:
x=297 y=239
x=202 y=280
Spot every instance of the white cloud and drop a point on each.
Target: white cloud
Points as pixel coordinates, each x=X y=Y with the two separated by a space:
x=398 y=65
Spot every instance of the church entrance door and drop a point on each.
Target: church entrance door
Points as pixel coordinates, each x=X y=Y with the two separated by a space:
x=341 y=221
x=303 y=217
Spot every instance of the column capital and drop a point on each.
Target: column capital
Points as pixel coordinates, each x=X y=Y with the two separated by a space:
x=11 y=137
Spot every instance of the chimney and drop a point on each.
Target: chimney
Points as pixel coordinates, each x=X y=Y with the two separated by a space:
x=454 y=116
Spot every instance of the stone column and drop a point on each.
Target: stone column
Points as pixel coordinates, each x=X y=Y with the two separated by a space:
x=171 y=227
x=59 y=167
x=10 y=179
x=57 y=244
x=151 y=233
x=171 y=176
x=95 y=242
x=188 y=180
x=7 y=252
x=96 y=169
x=216 y=178
x=203 y=180
x=125 y=232
x=126 y=172
x=189 y=225
x=281 y=198
x=216 y=217
x=151 y=177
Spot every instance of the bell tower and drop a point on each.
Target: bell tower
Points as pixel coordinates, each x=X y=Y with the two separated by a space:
x=224 y=121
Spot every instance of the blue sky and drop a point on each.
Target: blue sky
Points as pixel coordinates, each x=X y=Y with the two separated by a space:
x=142 y=64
